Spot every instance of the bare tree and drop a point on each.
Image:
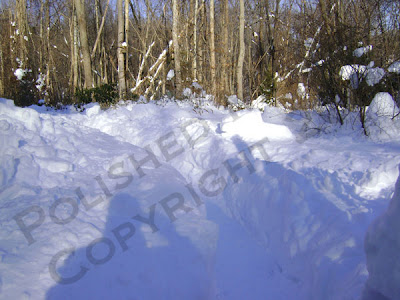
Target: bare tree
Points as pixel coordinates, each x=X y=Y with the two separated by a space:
x=175 y=37
x=74 y=78
x=87 y=64
x=22 y=32
x=194 y=58
x=241 y=52
x=120 y=51
x=1 y=71
x=212 y=51
x=225 y=48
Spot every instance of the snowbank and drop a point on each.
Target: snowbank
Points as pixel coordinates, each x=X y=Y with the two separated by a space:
x=382 y=105
x=382 y=247
x=158 y=201
x=382 y=120
x=250 y=127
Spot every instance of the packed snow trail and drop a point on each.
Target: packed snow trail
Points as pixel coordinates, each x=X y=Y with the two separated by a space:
x=147 y=202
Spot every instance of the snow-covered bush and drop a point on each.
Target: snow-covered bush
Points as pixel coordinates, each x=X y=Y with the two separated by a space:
x=382 y=106
x=382 y=117
x=23 y=86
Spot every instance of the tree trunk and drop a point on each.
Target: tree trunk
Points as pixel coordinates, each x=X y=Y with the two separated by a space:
x=325 y=18
x=201 y=76
x=87 y=65
x=22 y=33
x=241 y=52
x=76 y=54
x=225 y=49
x=120 y=51
x=175 y=37
x=1 y=72
x=126 y=16
x=194 y=58
x=212 y=52
x=47 y=53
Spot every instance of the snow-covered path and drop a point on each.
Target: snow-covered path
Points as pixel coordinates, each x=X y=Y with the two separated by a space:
x=152 y=202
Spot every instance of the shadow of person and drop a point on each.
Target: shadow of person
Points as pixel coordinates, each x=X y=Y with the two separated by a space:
x=133 y=261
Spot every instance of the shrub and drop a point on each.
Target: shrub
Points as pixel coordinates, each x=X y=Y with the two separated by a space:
x=105 y=95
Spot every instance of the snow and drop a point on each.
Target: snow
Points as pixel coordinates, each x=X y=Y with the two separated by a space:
x=301 y=90
x=382 y=246
x=259 y=103
x=381 y=116
x=394 y=67
x=233 y=99
x=196 y=85
x=382 y=105
x=20 y=73
x=308 y=43
x=374 y=76
x=155 y=201
x=347 y=71
x=362 y=50
x=40 y=82
x=356 y=73
x=170 y=75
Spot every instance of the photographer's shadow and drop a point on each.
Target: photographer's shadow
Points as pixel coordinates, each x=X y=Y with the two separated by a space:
x=130 y=261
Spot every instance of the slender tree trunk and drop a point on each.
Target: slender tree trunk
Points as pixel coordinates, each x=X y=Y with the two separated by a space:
x=87 y=65
x=212 y=51
x=194 y=58
x=94 y=54
x=42 y=43
x=47 y=52
x=241 y=52
x=120 y=53
x=201 y=48
x=75 y=57
x=225 y=48
x=273 y=62
x=126 y=16
x=164 y=70
x=324 y=13
x=175 y=37
x=1 y=72
x=71 y=53
x=22 y=32
x=13 y=42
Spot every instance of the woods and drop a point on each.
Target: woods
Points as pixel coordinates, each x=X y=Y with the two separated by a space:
x=291 y=52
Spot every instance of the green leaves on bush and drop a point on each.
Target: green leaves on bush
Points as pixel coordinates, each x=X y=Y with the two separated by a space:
x=105 y=95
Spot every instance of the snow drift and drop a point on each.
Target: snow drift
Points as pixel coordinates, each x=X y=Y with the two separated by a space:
x=382 y=247
x=148 y=201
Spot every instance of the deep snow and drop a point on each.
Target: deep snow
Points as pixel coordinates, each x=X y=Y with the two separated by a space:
x=162 y=202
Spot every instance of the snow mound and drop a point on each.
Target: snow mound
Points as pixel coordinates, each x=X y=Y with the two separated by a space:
x=347 y=71
x=259 y=103
x=250 y=127
x=395 y=67
x=382 y=105
x=362 y=50
x=382 y=248
x=374 y=76
x=93 y=109
x=356 y=73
